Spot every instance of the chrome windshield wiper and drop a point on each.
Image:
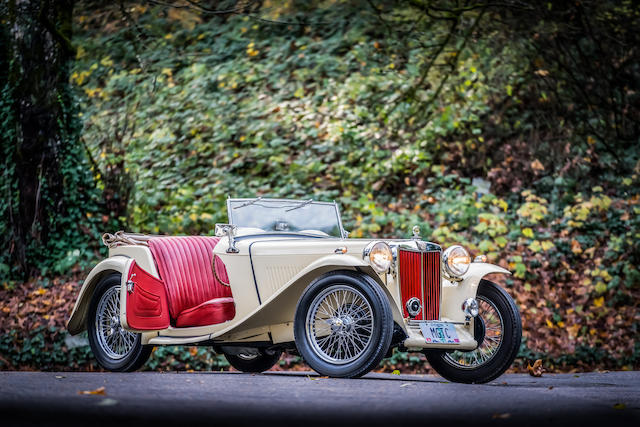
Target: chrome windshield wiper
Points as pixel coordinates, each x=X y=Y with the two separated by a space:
x=305 y=203
x=249 y=203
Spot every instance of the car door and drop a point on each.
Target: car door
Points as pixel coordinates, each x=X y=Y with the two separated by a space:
x=143 y=299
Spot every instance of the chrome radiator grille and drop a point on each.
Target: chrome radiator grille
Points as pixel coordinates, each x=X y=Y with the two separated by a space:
x=420 y=278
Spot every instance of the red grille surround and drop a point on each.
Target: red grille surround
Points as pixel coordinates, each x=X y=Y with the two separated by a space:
x=420 y=278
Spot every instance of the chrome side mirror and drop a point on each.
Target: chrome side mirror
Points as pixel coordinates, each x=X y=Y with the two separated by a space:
x=228 y=230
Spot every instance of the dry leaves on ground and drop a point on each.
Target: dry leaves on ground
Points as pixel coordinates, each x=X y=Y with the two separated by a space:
x=100 y=390
x=537 y=369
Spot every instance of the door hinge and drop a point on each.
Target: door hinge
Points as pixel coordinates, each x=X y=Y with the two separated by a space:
x=131 y=283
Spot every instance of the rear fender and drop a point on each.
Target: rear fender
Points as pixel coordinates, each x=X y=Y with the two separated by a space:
x=78 y=320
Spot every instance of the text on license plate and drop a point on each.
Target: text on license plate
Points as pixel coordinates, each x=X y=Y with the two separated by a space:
x=439 y=333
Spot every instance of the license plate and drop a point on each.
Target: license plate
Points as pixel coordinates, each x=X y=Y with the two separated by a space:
x=439 y=333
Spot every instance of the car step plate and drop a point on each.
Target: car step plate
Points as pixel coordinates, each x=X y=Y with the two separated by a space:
x=439 y=333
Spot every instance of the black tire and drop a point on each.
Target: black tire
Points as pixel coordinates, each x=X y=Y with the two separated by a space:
x=260 y=363
x=380 y=321
x=507 y=349
x=136 y=356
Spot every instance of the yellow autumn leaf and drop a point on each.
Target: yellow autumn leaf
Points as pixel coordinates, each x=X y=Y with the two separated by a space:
x=395 y=372
x=546 y=245
x=193 y=217
x=549 y=323
x=41 y=291
x=527 y=232
x=535 y=246
x=598 y=302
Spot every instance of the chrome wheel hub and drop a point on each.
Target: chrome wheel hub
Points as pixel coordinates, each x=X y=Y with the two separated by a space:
x=115 y=341
x=339 y=324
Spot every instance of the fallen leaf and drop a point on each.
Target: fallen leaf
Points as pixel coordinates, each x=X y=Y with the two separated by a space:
x=550 y=387
x=575 y=247
x=99 y=390
x=619 y=406
x=536 y=165
x=59 y=376
x=316 y=378
x=501 y=416
x=404 y=385
x=396 y=372
x=537 y=369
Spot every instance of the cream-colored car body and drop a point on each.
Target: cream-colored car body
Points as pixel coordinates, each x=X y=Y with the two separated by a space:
x=267 y=277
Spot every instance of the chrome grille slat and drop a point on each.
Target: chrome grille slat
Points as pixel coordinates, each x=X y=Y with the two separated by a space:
x=419 y=276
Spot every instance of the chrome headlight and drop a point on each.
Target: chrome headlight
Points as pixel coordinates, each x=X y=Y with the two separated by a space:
x=378 y=255
x=456 y=261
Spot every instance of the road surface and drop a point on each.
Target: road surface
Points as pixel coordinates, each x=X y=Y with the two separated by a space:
x=305 y=399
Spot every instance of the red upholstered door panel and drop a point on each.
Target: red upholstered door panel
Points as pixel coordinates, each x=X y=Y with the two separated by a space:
x=147 y=307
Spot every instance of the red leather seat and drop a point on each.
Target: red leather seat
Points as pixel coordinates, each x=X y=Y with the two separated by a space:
x=196 y=296
x=210 y=312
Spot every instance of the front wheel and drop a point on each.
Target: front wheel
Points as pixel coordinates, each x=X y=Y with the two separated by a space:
x=115 y=348
x=343 y=324
x=498 y=329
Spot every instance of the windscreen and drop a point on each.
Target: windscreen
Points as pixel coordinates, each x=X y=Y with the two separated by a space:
x=285 y=215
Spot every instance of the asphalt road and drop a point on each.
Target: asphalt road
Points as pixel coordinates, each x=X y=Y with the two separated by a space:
x=304 y=399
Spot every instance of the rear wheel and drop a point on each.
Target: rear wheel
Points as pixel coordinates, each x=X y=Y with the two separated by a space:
x=115 y=348
x=253 y=359
x=343 y=324
x=498 y=329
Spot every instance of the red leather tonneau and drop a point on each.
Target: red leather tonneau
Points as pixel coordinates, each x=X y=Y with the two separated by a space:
x=185 y=265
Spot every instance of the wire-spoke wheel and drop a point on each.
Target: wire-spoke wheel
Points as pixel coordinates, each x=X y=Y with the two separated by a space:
x=498 y=330
x=491 y=333
x=339 y=324
x=343 y=324
x=115 y=341
x=115 y=348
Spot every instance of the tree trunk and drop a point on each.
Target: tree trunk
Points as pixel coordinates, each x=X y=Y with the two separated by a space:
x=39 y=131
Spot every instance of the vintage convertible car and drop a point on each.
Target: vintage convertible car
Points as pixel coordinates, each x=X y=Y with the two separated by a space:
x=282 y=275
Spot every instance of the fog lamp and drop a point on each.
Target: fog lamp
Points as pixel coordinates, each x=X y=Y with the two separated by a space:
x=413 y=306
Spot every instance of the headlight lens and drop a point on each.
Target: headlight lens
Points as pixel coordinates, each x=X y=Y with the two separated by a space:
x=456 y=261
x=379 y=255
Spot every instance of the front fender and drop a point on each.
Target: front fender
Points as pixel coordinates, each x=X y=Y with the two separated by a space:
x=78 y=320
x=477 y=270
x=455 y=293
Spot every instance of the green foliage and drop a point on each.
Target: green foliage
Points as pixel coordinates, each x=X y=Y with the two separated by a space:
x=183 y=110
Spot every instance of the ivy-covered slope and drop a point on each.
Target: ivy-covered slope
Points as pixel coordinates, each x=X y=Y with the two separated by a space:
x=181 y=112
